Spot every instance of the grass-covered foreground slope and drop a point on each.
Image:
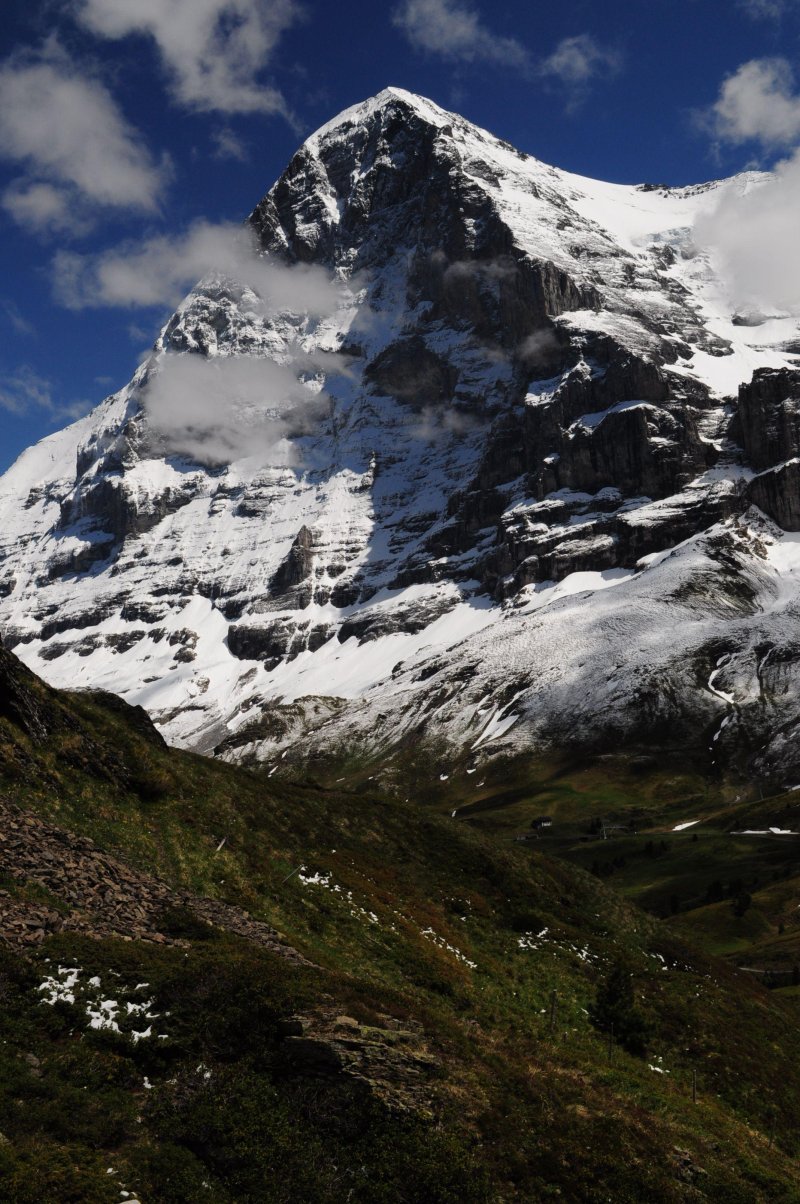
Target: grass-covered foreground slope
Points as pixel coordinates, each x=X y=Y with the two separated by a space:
x=432 y=1039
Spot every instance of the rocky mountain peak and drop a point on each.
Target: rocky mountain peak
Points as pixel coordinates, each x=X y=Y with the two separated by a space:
x=529 y=392
x=387 y=117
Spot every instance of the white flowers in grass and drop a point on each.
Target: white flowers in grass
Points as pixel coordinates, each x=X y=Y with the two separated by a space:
x=325 y=880
x=582 y=952
x=441 y=943
x=104 y=1015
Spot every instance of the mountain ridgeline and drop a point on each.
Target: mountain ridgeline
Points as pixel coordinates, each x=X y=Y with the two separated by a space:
x=544 y=501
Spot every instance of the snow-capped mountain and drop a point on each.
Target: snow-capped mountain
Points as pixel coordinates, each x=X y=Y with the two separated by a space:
x=532 y=504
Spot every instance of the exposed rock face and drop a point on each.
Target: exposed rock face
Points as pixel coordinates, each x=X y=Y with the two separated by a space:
x=777 y=493
x=282 y=639
x=769 y=413
x=391 y=1058
x=19 y=701
x=409 y=372
x=297 y=566
x=532 y=378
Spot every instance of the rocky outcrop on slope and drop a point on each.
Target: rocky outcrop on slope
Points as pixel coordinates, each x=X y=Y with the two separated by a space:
x=20 y=702
x=95 y=894
x=391 y=1058
x=274 y=642
x=296 y=568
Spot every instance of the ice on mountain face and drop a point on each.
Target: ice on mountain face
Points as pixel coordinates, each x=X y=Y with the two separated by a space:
x=520 y=478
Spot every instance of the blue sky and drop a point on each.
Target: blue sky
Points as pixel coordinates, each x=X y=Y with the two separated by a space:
x=126 y=121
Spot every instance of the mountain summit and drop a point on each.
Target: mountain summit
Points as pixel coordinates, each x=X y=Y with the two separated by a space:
x=528 y=485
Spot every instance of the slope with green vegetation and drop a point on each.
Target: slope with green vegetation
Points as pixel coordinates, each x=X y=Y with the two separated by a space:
x=707 y=853
x=457 y=1027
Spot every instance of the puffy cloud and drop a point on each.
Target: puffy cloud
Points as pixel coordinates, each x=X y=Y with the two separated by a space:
x=158 y=271
x=757 y=104
x=576 y=61
x=753 y=233
x=79 y=150
x=228 y=408
x=212 y=50
x=44 y=208
x=436 y=423
x=221 y=408
x=455 y=31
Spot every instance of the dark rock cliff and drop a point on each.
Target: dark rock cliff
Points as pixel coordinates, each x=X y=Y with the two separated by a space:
x=769 y=413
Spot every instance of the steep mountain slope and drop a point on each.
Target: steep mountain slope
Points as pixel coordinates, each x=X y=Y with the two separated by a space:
x=527 y=394
x=411 y=1052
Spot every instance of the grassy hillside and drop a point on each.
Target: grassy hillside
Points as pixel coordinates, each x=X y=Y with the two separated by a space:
x=440 y=1045
x=682 y=841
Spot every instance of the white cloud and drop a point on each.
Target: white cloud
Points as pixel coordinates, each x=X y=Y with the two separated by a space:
x=540 y=347
x=753 y=229
x=576 y=61
x=228 y=408
x=24 y=391
x=141 y=335
x=757 y=104
x=44 y=208
x=437 y=422
x=753 y=233
x=455 y=31
x=159 y=271
x=226 y=144
x=212 y=50
x=766 y=9
x=18 y=322
x=79 y=150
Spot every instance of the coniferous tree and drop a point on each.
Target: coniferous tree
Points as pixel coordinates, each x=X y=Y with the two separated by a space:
x=614 y=1010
